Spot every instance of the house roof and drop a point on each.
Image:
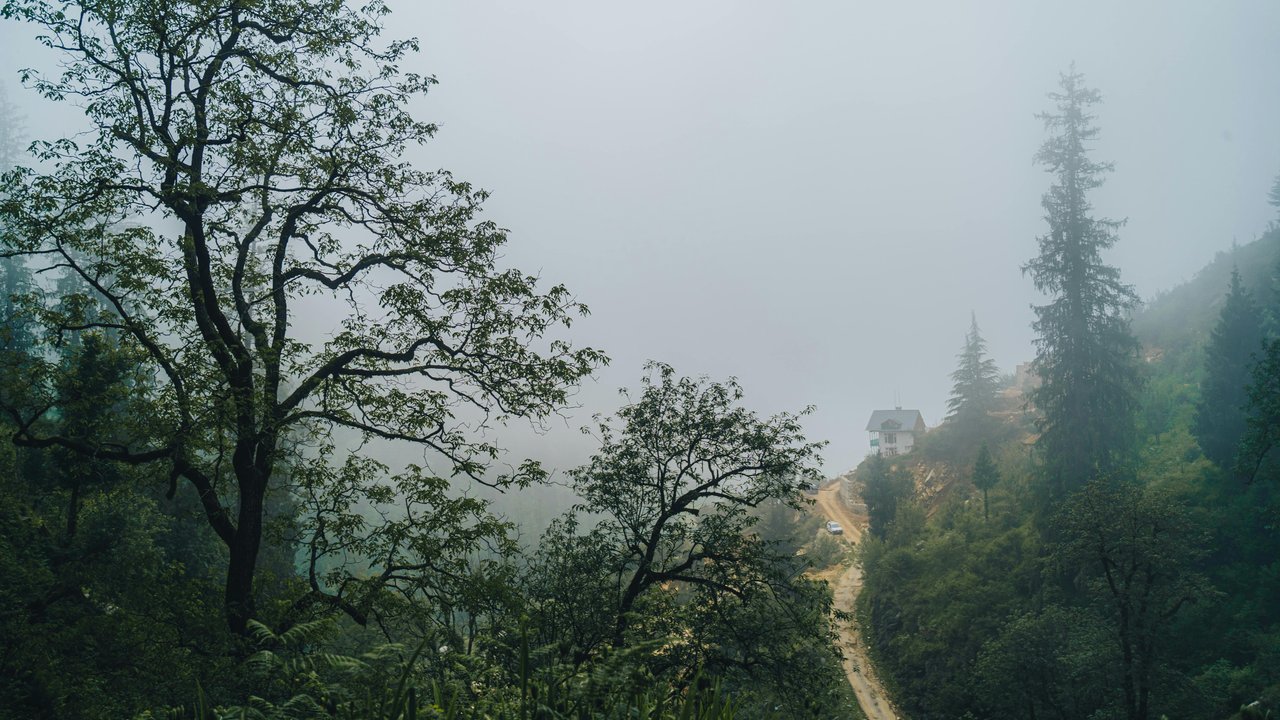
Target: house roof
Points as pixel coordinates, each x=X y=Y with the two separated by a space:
x=908 y=420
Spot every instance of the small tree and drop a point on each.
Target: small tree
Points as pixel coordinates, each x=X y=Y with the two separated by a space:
x=1086 y=355
x=1219 y=421
x=976 y=380
x=673 y=482
x=884 y=486
x=681 y=472
x=985 y=476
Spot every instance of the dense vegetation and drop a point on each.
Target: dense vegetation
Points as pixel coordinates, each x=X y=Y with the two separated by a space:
x=196 y=513
x=198 y=519
x=1116 y=554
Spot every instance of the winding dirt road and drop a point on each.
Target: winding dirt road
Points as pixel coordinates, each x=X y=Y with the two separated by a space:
x=857 y=666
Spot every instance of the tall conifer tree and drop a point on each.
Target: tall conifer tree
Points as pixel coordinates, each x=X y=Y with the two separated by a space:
x=1220 y=415
x=976 y=379
x=1086 y=353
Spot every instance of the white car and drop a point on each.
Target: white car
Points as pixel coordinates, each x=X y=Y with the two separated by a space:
x=834 y=528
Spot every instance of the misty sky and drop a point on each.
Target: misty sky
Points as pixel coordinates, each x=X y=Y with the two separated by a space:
x=813 y=196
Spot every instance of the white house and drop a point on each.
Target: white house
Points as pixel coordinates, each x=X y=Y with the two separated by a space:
x=893 y=432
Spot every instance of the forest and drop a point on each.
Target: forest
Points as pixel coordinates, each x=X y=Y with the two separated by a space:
x=1108 y=547
x=206 y=510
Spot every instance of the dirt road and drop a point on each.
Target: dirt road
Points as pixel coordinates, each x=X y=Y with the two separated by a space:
x=857 y=667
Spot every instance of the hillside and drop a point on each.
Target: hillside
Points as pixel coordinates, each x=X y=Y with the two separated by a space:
x=1005 y=614
x=1174 y=325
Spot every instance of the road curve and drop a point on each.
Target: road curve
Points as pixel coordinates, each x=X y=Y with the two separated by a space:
x=857 y=666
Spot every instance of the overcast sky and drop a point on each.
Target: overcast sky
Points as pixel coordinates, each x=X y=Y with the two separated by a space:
x=812 y=196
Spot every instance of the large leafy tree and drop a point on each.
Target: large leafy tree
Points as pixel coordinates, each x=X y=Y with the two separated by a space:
x=1141 y=552
x=1086 y=354
x=1219 y=421
x=243 y=210
x=674 y=478
x=976 y=380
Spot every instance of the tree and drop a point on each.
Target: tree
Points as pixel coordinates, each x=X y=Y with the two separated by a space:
x=1086 y=354
x=245 y=173
x=681 y=472
x=1262 y=428
x=673 y=483
x=1141 y=551
x=985 y=476
x=1049 y=663
x=1219 y=421
x=976 y=380
x=883 y=487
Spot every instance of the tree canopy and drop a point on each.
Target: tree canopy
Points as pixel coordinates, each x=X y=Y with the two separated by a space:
x=245 y=171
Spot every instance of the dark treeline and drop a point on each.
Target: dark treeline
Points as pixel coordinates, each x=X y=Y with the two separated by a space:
x=1117 y=553
x=181 y=533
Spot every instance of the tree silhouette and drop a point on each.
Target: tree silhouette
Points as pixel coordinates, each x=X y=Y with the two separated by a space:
x=1086 y=354
x=1219 y=421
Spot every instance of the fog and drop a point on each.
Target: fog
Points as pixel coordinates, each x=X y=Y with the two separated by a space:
x=813 y=197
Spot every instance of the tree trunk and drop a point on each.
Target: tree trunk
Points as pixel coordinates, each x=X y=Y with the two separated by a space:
x=239 y=600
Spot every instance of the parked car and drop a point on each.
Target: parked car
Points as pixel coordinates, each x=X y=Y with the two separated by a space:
x=834 y=528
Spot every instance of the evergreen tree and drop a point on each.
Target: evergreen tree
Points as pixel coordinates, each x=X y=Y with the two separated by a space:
x=1270 y=300
x=883 y=487
x=985 y=477
x=10 y=132
x=1086 y=354
x=976 y=380
x=1220 y=415
x=1262 y=432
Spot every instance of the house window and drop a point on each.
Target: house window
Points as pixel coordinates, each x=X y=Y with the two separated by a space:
x=889 y=438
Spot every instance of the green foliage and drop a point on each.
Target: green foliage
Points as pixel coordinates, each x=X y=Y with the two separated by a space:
x=936 y=593
x=976 y=379
x=281 y=165
x=1086 y=354
x=1050 y=662
x=825 y=551
x=1262 y=433
x=677 y=491
x=1140 y=551
x=784 y=526
x=1220 y=415
x=985 y=477
x=884 y=487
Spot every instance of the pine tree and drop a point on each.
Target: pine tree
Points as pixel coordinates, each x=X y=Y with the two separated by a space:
x=1220 y=415
x=976 y=380
x=1262 y=426
x=985 y=476
x=1086 y=353
x=10 y=132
